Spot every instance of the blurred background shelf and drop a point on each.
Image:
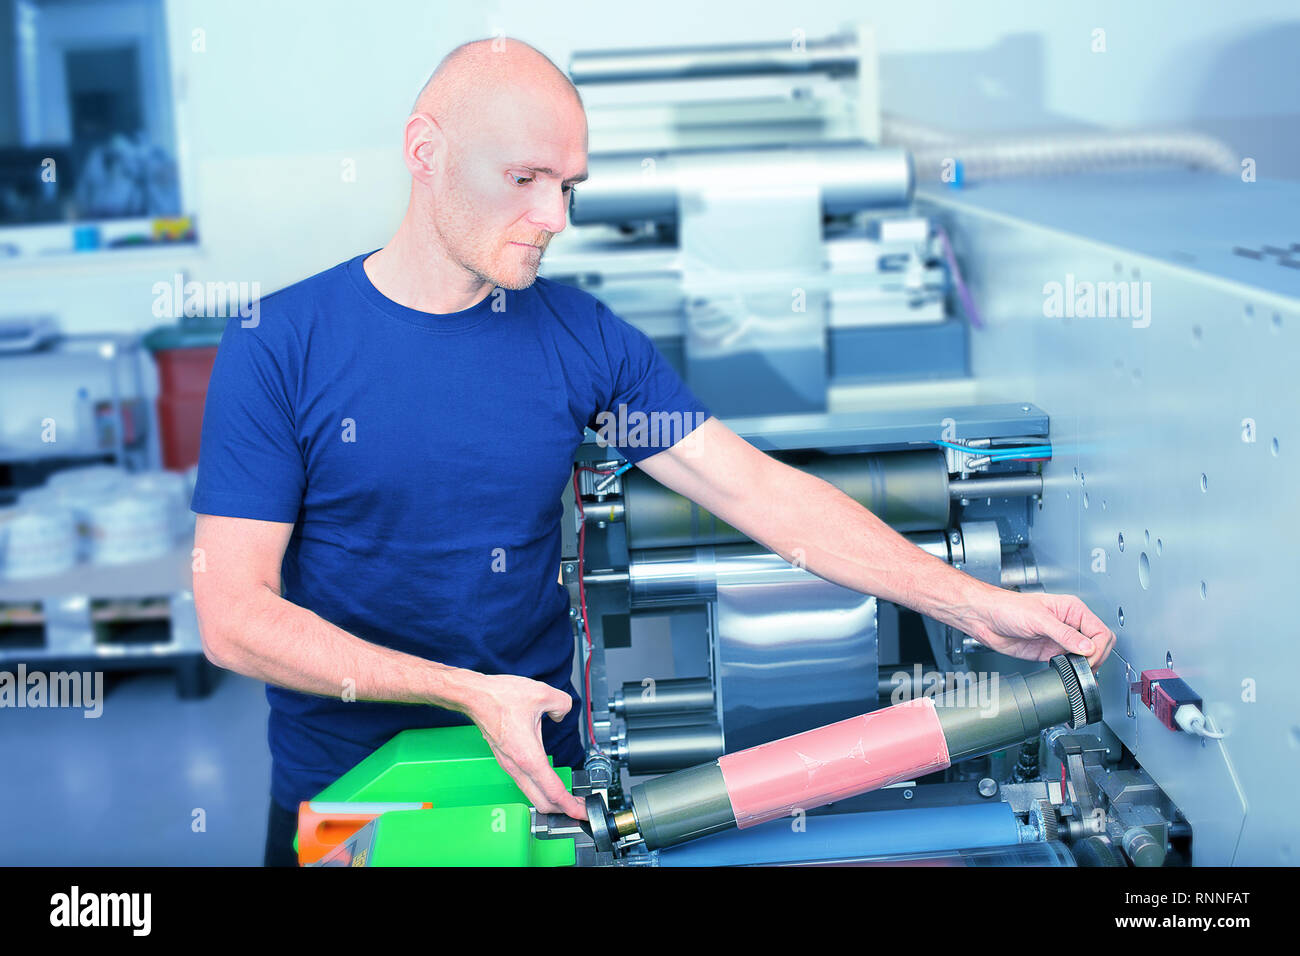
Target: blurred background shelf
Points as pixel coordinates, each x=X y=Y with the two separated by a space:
x=166 y=574
x=137 y=616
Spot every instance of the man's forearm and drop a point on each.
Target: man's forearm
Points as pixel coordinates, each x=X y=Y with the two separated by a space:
x=268 y=638
x=811 y=523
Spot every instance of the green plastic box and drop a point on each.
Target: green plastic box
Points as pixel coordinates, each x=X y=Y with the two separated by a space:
x=479 y=815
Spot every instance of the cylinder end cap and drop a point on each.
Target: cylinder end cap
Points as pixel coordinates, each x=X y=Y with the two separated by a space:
x=603 y=828
x=1081 y=688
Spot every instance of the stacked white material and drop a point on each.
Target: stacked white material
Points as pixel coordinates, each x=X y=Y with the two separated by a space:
x=37 y=540
x=119 y=517
x=175 y=488
x=79 y=489
x=128 y=525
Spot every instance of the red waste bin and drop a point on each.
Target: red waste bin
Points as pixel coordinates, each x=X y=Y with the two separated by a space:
x=184 y=354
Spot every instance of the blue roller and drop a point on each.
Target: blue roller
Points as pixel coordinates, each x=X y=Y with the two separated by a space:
x=837 y=836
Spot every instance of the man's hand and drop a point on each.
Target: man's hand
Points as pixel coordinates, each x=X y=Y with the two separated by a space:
x=508 y=711
x=1036 y=627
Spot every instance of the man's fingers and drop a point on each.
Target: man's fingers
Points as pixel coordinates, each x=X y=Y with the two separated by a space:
x=548 y=783
x=1068 y=637
x=1077 y=614
x=523 y=771
x=1091 y=625
x=560 y=705
x=553 y=796
x=524 y=781
x=534 y=793
x=561 y=800
x=534 y=784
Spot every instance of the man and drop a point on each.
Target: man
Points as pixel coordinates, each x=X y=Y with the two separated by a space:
x=384 y=454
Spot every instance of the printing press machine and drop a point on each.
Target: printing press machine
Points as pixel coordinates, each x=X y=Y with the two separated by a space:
x=900 y=342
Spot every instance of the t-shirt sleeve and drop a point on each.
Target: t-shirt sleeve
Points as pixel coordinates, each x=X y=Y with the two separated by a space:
x=250 y=460
x=649 y=408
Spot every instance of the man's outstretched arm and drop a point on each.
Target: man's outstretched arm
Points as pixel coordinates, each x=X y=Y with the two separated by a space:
x=246 y=626
x=810 y=522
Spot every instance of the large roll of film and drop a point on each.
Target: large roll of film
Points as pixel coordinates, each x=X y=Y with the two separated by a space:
x=636 y=187
x=906 y=490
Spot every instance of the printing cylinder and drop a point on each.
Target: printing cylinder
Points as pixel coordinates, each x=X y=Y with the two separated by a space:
x=860 y=754
x=636 y=187
x=682 y=806
x=906 y=490
x=1012 y=709
x=675 y=695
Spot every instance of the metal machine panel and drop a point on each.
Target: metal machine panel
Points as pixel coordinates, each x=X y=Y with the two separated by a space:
x=755 y=352
x=1168 y=504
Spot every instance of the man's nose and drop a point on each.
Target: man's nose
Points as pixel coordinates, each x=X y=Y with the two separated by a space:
x=552 y=213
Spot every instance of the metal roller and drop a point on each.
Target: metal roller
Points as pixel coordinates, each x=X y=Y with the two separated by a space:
x=678 y=577
x=685 y=719
x=649 y=187
x=665 y=749
x=853 y=756
x=996 y=486
x=906 y=490
x=675 y=695
x=835 y=56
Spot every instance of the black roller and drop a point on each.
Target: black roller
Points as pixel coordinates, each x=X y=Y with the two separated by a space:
x=668 y=696
x=906 y=490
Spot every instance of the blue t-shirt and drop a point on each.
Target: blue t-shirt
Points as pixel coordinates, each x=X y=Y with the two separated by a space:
x=422 y=458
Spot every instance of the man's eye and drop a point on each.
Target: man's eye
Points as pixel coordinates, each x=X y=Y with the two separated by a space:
x=567 y=189
x=521 y=180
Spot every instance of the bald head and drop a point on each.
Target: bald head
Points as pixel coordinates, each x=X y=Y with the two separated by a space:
x=468 y=77
x=495 y=144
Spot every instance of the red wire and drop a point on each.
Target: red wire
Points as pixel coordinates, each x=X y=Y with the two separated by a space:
x=1064 y=797
x=582 y=599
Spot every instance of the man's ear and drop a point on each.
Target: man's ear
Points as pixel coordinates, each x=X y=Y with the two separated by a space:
x=423 y=139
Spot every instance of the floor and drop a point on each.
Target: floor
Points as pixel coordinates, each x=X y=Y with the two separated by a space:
x=154 y=780
x=157 y=780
